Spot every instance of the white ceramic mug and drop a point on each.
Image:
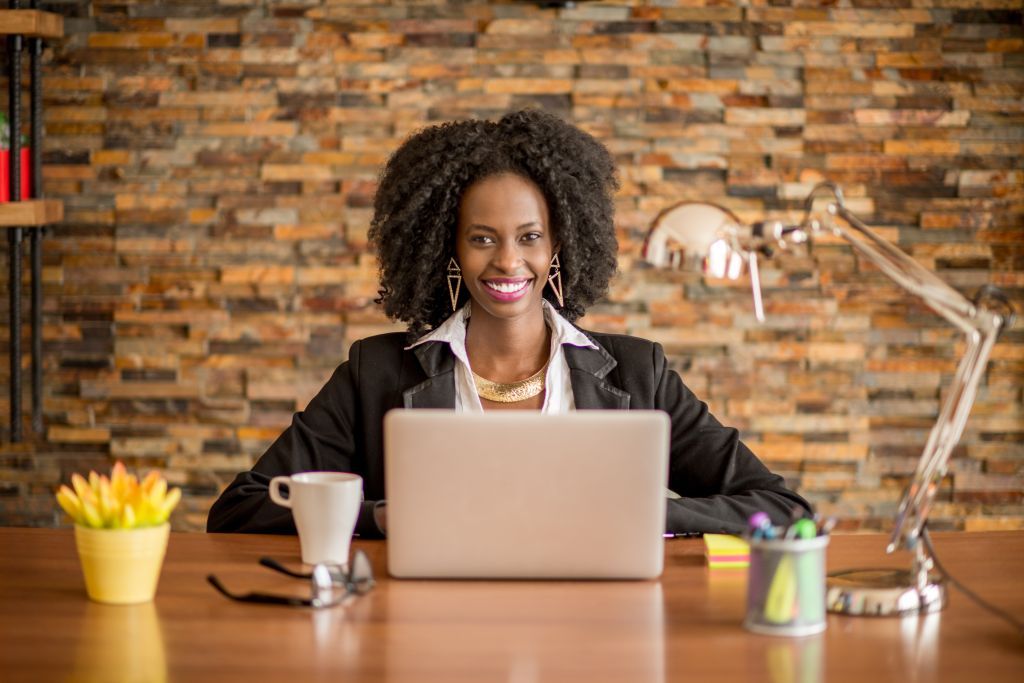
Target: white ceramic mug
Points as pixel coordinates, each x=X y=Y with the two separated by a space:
x=325 y=506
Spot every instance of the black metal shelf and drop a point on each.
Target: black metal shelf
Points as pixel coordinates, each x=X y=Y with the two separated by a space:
x=26 y=28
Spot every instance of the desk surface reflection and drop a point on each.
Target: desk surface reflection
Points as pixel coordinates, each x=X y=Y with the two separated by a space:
x=685 y=626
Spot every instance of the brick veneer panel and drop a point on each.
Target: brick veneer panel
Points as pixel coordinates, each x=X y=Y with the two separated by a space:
x=218 y=162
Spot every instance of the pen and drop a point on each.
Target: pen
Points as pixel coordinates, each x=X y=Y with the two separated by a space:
x=682 y=534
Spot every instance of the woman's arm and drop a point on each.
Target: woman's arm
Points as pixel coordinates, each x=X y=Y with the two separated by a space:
x=720 y=480
x=322 y=437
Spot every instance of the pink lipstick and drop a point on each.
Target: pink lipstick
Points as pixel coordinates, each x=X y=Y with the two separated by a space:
x=503 y=289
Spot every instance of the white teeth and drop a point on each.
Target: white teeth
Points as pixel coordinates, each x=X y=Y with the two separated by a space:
x=507 y=287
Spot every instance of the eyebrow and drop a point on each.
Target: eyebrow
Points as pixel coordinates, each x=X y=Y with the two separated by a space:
x=481 y=226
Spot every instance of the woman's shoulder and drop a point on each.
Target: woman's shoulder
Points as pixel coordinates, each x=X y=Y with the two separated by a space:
x=625 y=346
x=389 y=343
x=379 y=359
x=640 y=364
x=394 y=350
x=634 y=356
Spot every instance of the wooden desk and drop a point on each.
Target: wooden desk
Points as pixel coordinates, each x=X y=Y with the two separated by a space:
x=687 y=626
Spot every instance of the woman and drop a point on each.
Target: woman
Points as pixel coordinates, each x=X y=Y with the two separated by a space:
x=493 y=238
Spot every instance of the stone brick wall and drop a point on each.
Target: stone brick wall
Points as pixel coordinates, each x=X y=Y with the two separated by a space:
x=218 y=160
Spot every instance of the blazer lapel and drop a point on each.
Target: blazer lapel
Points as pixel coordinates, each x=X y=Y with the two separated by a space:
x=587 y=370
x=438 y=390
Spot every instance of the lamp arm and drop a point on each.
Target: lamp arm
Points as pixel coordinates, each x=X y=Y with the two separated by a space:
x=723 y=242
x=981 y=327
x=908 y=273
x=945 y=434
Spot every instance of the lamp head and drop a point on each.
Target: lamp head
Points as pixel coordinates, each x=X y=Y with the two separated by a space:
x=696 y=235
x=693 y=233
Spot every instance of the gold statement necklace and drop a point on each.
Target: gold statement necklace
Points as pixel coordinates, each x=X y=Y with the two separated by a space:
x=512 y=392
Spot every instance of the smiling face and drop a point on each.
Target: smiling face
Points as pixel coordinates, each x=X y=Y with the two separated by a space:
x=504 y=246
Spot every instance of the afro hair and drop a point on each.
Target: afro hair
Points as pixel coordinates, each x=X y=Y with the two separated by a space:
x=417 y=202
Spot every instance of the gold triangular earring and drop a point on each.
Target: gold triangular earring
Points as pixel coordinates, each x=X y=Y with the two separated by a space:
x=454 y=275
x=555 y=279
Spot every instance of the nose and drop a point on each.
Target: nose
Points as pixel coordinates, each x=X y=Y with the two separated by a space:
x=508 y=258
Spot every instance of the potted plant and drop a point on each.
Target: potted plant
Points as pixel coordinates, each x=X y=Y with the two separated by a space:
x=5 y=162
x=121 y=532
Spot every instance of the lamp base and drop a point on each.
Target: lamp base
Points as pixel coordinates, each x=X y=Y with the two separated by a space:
x=883 y=593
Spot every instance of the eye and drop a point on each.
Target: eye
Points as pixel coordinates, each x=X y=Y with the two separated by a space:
x=531 y=237
x=481 y=239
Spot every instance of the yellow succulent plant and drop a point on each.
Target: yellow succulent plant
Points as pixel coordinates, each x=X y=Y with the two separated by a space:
x=118 y=502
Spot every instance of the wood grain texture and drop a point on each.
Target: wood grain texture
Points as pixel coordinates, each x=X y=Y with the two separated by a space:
x=31 y=23
x=685 y=626
x=31 y=212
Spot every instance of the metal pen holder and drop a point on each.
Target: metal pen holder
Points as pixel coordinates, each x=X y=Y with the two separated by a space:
x=786 y=586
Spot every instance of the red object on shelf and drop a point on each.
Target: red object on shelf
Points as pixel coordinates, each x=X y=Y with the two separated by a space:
x=5 y=175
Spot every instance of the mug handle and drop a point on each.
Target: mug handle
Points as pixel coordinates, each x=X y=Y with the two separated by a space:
x=275 y=491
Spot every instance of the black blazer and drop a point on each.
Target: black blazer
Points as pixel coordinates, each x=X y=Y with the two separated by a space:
x=721 y=482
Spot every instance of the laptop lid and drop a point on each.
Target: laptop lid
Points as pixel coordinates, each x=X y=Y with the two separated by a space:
x=521 y=494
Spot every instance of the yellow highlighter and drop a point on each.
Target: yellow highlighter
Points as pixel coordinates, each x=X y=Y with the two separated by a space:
x=781 y=599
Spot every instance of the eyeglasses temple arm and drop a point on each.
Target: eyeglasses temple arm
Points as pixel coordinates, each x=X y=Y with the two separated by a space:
x=271 y=563
x=262 y=598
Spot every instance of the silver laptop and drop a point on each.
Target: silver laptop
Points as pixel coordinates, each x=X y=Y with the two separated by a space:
x=519 y=494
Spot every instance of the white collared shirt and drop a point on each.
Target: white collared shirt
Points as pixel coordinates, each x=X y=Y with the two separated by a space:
x=558 y=397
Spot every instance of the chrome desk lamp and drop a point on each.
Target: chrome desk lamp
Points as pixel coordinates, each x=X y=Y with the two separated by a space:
x=693 y=233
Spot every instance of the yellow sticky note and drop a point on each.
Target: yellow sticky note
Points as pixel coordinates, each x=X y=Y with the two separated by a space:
x=723 y=550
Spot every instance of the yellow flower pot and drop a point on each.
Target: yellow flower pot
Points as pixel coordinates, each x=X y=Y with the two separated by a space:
x=121 y=566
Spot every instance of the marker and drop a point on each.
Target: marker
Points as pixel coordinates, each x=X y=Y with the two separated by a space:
x=801 y=528
x=804 y=529
x=682 y=534
x=810 y=570
x=761 y=526
x=780 y=603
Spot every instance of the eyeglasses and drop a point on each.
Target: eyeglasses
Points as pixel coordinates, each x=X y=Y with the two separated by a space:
x=354 y=579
